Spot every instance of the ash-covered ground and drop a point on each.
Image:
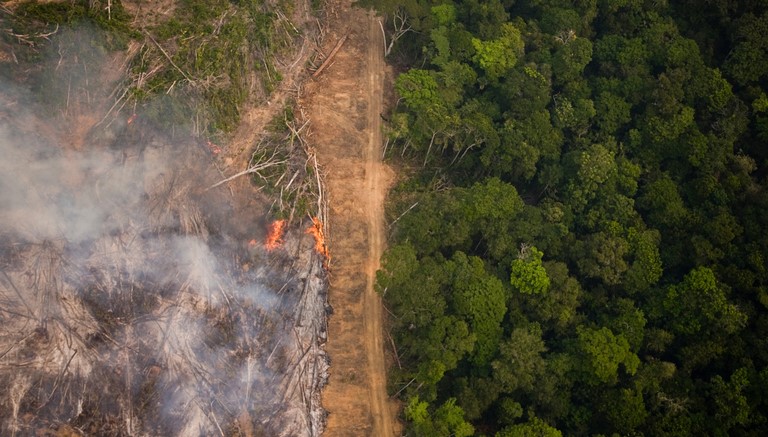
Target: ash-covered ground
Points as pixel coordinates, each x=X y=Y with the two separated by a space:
x=131 y=302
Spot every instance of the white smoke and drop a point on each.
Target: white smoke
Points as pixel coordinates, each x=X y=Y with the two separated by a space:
x=124 y=297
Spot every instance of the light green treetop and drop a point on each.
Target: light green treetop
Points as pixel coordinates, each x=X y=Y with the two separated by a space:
x=497 y=56
x=528 y=274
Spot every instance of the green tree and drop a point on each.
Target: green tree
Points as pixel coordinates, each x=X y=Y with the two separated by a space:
x=570 y=59
x=438 y=348
x=748 y=61
x=662 y=203
x=663 y=129
x=534 y=427
x=700 y=303
x=476 y=394
x=624 y=318
x=575 y=115
x=495 y=57
x=730 y=405
x=623 y=409
x=523 y=143
x=528 y=275
x=418 y=88
x=612 y=112
x=601 y=352
x=645 y=269
x=559 y=20
x=451 y=218
x=448 y=419
x=445 y=16
x=416 y=301
x=603 y=256
x=626 y=58
x=479 y=298
x=520 y=360
x=558 y=307
x=594 y=168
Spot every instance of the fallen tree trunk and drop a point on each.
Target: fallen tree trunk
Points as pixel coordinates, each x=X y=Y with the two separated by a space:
x=330 y=56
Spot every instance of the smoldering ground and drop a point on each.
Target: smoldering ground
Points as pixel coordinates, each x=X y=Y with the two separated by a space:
x=130 y=300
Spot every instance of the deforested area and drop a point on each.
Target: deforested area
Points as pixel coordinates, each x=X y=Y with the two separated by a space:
x=148 y=285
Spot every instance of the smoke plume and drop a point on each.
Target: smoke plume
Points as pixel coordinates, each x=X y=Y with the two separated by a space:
x=130 y=300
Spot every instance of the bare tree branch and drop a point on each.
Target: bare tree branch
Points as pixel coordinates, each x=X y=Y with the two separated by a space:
x=400 y=26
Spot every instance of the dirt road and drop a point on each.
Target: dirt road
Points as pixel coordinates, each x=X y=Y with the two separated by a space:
x=345 y=104
x=375 y=214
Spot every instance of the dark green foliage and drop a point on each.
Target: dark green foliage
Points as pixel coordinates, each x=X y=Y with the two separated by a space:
x=700 y=303
x=520 y=362
x=590 y=188
x=600 y=352
x=535 y=427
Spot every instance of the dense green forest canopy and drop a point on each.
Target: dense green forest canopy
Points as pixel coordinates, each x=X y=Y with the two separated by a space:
x=580 y=246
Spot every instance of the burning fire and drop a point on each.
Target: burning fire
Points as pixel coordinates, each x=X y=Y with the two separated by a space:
x=275 y=235
x=317 y=231
x=213 y=148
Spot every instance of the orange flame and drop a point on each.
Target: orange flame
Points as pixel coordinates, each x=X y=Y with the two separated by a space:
x=213 y=148
x=317 y=231
x=275 y=235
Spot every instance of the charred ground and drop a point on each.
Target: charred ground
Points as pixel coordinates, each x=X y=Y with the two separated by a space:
x=136 y=294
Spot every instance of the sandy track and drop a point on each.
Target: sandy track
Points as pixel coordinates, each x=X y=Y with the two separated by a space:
x=376 y=193
x=344 y=105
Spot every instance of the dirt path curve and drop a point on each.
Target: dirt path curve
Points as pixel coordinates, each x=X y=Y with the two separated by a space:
x=344 y=105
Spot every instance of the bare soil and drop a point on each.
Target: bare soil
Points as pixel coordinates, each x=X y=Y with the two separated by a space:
x=344 y=104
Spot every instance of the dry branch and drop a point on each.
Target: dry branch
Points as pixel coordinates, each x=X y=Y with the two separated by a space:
x=403 y=214
x=394 y=351
x=254 y=168
x=167 y=56
x=401 y=27
x=404 y=387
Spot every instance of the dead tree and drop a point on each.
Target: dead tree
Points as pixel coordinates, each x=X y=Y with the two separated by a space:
x=401 y=27
x=330 y=56
x=258 y=163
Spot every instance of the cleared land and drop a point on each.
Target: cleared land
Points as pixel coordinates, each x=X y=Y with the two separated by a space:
x=344 y=104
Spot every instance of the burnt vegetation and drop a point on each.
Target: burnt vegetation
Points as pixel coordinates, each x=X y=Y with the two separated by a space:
x=136 y=297
x=160 y=330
